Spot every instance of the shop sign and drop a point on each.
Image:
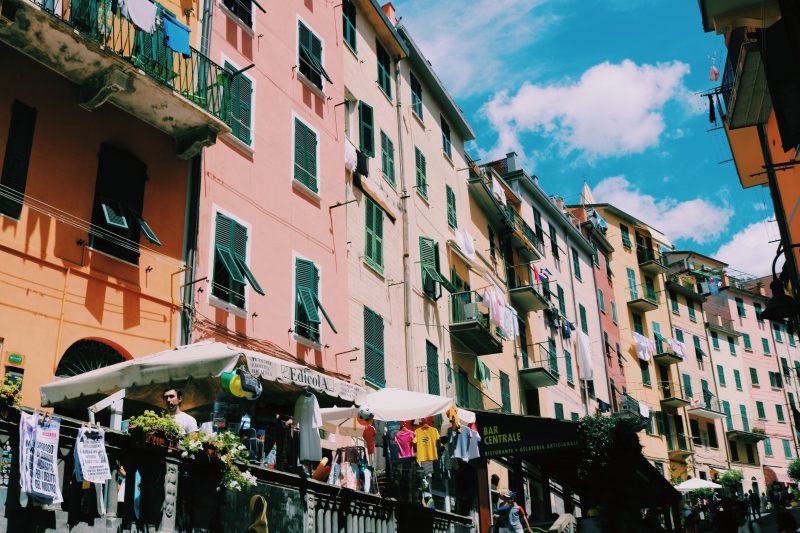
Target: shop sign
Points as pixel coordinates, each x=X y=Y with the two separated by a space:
x=274 y=370
x=506 y=435
x=16 y=359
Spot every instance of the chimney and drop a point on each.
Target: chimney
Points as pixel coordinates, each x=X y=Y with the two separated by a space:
x=511 y=162
x=388 y=10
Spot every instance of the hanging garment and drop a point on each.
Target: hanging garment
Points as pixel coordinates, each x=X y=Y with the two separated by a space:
x=141 y=12
x=404 y=439
x=586 y=370
x=642 y=346
x=713 y=286
x=474 y=438
x=713 y=75
x=309 y=418
x=176 y=34
x=566 y=332
x=537 y=278
x=426 y=439
x=677 y=347
x=644 y=410
x=462 y=444
x=369 y=438
x=712 y=115
x=349 y=155
x=603 y=406
x=498 y=192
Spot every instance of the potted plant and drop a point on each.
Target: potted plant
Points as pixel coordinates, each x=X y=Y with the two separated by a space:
x=225 y=448
x=160 y=430
x=759 y=430
x=9 y=395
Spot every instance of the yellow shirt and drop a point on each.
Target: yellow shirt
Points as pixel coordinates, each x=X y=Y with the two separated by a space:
x=426 y=440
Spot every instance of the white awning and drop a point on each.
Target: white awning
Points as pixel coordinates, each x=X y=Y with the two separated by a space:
x=195 y=362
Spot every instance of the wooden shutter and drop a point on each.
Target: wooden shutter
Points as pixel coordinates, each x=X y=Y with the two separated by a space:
x=452 y=219
x=367 y=129
x=422 y=183
x=14 y=176
x=687 y=386
x=307 y=283
x=584 y=322
x=632 y=284
x=432 y=356
x=576 y=263
x=374 y=370
x=373 y=239
x=245 y=105
x=305 y=149
x=505 y=392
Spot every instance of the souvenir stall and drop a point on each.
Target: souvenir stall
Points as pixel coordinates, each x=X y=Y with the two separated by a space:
x=405 y=448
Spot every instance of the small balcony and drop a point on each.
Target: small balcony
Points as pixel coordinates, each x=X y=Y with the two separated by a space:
x=453 y=382
x=630 y=413
x=539 y=369
x=723 y=16
x=643 y=299
x=665 y=354
x=708 y=408
x=179 y=93
x=740 y=429
x=672 y=395
x=470 y=324
x=684 y=289
x=523 y=237
x=651 y=262
x=525 y=294
x=678 y=447
x=722 y=325
x=747 y=98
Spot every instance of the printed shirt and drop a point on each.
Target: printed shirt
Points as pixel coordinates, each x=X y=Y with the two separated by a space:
x=426 y=439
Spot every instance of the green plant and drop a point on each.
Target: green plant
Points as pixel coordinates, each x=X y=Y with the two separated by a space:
x=228 y=449
x=731 y=479
x=794 y=470
x=698 y=495
x=10 y=391
x=150 y=422
x=759 y=430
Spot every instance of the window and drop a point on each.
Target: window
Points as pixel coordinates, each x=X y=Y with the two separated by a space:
x=310 y=54
x=613 y=312
x=732 y=345
x=552 y=353
x=374 y=370
x=645 y=366
x=740 y=307
x=606 y=344
x=305 y=155
x=679 y=335
x=554 y=242
x=785 y=367
x=562 y=302
x=757 y=307
x=447 y=147
x=726 y=408
x=748 y=449
x=673 y=300
x=384 y=70
x=734 y=451
x=452 y=220
x=776 y=328
x=698 y=350
x=595 y=254
x=791 y=338
x=737 y=377
x=574 y=417
x=373 y=240
x=721 y=374
x=568 y=363
x=584 y=323
x=576 y=264
x=775 y=380
x=712 y=435
x=432 y=360
x=602 y=300
x=715 y=340
x=638 y=325
x=366 y=128
x=537 y=222
x=416 y=96
x=694 y=428
x=230 y=262
x=558 y=409
x=779 y=412
x=768 y=447
x=17 y=157
x=432 y=280
x=387 y=158
x=765 y=345
x=422 y=180
x=240 y=105
x=626 y=236
x=754 y=377
x=505 y=392
x=492 y=251
x=632 y=284
x=762 y=415
x=619 y=357
x=117 y=221
x=687 y=386
x=590 y=388
x=747 y=346
x=242 y=9
x=745 y=419
x=690 y=307
x=787 y=448
x=609 y=273
x=660 y=340
x=791 y=399
x=349 y=24
x=307 y=303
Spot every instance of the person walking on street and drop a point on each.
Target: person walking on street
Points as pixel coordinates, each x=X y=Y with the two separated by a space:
x=511 y=515
x=755 y=505
x=764 y=502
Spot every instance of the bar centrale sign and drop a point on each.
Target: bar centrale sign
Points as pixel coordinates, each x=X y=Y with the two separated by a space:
x=505 y=435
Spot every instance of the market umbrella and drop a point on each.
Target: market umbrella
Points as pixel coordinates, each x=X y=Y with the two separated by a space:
x=696 y=483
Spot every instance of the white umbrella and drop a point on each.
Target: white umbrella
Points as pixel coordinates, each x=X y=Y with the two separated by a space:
x=696 y=483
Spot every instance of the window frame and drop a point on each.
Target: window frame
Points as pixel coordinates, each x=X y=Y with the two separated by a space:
x=378 y=350
x=313 y=179
x=374 y=259
x=447 y=143
x=421 y=172
x=306 y=58
x=316 y=299
x=384 y=70
x=349 y=24
x=366 y=131
x=416 y=96
x=17 y=156
x=387 y=159
x=232 y=262
x=452 y=215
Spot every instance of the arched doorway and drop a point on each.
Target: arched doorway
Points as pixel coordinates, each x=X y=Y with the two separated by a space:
x=86 y=355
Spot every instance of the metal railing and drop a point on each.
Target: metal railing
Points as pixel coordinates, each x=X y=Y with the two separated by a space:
x=678 y=441
x=516 y=222
x=672 y=389
x=708 y=401
x=643 y=291
x=194 y=77
x=468 y=306
x=519 y=276
x=542 y=357
x=444 y=380
x=644 y=255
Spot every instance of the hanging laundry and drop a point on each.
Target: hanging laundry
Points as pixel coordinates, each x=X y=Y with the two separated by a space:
x=546 y=273
x=307 y=415
x=498 y=192
x=677 y=347
x=404 y=439
x=712 y=115
x=536 y=277
x=474 y=440
x=493 y=299
x=586 y=371
x=642 y=346
x=461 y=450
x=565 y=331
x=176 y=34
x=713 y=74
x=141 y=12
x=369 y=438
x=349 y=155
x=469 y=244
x=644 y=410
x=713 y=286
x=603 y=406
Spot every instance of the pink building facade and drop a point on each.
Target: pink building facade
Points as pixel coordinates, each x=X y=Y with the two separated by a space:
x=271 y=267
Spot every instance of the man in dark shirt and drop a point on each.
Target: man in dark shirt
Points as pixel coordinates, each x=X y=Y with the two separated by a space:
x=755 y=505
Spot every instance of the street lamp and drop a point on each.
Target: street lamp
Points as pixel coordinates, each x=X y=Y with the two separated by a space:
x=781 y=306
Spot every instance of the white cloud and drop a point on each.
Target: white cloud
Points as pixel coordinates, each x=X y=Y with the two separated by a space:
x=611 y=110
x=750 y=250
x=470 y=46
x=760 y=206
x=697 y=219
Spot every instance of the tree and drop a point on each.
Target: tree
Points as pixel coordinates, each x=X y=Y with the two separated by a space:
x=731 y=480
x=794 y=470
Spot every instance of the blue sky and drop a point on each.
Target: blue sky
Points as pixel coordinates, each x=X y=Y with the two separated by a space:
x=606 y=91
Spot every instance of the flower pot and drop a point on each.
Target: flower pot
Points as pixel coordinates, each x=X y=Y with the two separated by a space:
x=794 y=503
x=157 y=438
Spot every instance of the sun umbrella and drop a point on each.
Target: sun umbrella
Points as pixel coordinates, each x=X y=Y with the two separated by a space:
x=696 y=483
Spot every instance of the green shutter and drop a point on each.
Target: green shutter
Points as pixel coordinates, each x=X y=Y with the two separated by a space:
x=632 y=284
x=745 y=420
x=601 y=299
x=673 y=300
x=432 y=356
x=17 y=157
x=626 y=236
x=660 y=423
x=762 y=415
x=366 y=129
x=239 y=101
x=429 y=268
x=349 y=24
x=779 y=412
x=747 y=345
x=230 y=253
x=768 y=447
x=307 y=304
x=737 y=378
x=576 y=263
x=374 y=370
x=552 y=352
x=384 y=70
x=452 y=221
x=787 y=448
x=754 y=376
x=645 y=367
x=568 y=363
x=373 y=241
x=765 y=345
x=422 y=180
x=562 y=302
x=416 y=96
x=558 y=411
x=584 y=322
x=726 y=408
x=310 y=52
x=305 y=155
x=721 y=374
x=387 y=158
x=687 y=386
x=553 y=241
x=505 y=392
x=613 y=312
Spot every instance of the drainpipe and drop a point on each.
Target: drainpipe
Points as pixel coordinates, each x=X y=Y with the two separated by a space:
x=407 y=294
x=191 y=223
